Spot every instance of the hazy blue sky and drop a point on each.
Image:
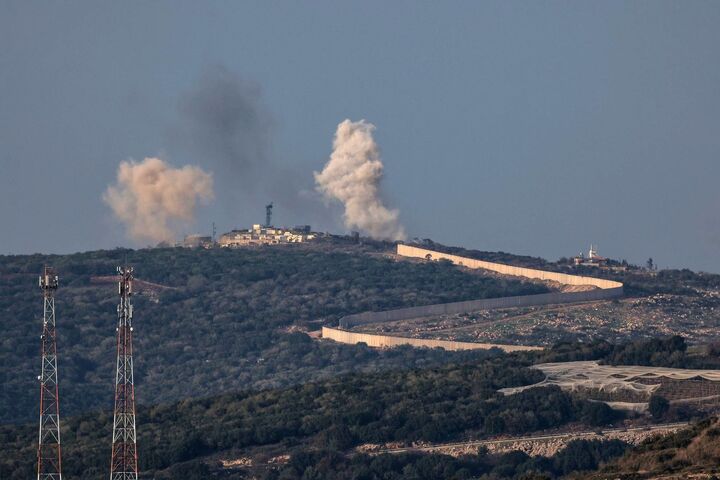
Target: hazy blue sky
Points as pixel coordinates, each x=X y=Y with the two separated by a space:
x=530 y=127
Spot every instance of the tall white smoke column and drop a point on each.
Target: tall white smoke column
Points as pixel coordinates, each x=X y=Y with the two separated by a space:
x=352 y=176
x=151 y=196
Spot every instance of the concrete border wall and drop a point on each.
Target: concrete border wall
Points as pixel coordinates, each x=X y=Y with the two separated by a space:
x=475 y=305
x=564 y=278
x=378 y=341
x=606 y=289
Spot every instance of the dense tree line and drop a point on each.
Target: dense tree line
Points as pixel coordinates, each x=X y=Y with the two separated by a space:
x=224 y=324
x=437 y=404
x=322 y=464
x=688 y=453
x=656 y=352
x=578 y=456
x=224 y=327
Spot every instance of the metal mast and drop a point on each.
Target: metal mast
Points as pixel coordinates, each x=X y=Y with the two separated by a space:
x=268 y=214
x=124 y=464
x=48 y=454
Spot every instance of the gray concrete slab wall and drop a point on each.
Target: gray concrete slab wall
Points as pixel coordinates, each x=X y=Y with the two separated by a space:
x=606 y=289
x=564 y=278
x=380 y=341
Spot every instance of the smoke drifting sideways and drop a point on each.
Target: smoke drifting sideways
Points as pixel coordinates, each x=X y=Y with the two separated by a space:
x=152 y=198
x=352 y=176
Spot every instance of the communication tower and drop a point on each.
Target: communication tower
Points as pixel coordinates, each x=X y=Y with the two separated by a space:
x=48 y=455
x=124 y=463
x=268 y=214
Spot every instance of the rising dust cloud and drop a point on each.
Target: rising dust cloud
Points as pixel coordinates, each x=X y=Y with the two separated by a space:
x=352 y=176
x=152 y=197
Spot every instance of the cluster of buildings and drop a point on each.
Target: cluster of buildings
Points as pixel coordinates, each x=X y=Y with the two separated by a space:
x=266 y=235
x=257 y=235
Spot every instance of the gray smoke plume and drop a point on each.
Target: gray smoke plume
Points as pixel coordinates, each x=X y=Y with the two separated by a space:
x=352 y=176
x=225 y=122
x=151 y=197
x=228 y=124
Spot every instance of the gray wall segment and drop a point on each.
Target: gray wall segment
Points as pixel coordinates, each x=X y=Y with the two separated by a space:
x=606 y=289
x=564 y=278
x=350 y=321
x=381 y=341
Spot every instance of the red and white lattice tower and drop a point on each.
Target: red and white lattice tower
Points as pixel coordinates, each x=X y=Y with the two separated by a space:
x=124 y=463
x=48 y=454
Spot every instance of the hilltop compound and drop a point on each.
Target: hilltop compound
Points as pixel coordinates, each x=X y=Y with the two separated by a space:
x=266 y=235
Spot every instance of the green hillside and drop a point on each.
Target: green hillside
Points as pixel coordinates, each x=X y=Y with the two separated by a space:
x=690 y=453
x=324 y=421
x=226 y=322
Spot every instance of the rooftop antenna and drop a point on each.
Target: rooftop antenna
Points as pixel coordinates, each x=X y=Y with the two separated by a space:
x=268 y=214
x=214 y=232
x=48 y=454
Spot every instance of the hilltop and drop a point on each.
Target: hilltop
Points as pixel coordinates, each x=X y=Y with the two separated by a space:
x=218 y=320
x=227 y=373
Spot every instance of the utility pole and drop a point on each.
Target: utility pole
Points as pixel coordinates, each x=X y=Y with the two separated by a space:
x=48 y=455
x=124 y=463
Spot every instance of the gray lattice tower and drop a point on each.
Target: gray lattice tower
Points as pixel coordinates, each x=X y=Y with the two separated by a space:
x=49 y=464
x=124 y=464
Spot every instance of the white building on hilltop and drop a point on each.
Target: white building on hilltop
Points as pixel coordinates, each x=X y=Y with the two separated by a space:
x=266 y=235
x=592 y=260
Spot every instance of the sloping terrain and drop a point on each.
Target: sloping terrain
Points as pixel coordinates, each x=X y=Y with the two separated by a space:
x=691 y=453
x=230 y=386
x=188 y=439
x=661 y=304
x=695 y=316
x=212 y=321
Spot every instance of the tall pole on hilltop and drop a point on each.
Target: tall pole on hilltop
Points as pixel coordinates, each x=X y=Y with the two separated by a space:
x=124 y=464
x=48 y=453
x=268 y=215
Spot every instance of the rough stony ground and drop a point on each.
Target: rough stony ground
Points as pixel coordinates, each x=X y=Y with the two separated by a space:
x=695 y=317
x=533 y=446
x=551 y=447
